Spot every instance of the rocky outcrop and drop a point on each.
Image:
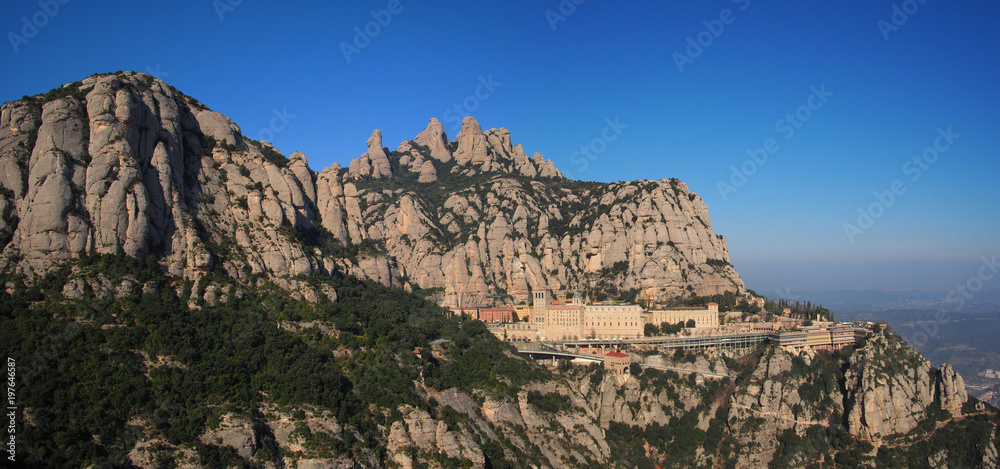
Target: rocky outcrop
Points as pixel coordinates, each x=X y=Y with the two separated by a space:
x=419 y=432
x=519 y=235
x=950 y=390
x=887 y=390
x=990 y=458
x=889 y=387
x=652 y=237
x=436 y=141
x=427 y=172
x=472 y=146
x=374 y=163
x=124 y=163
x=236 y=433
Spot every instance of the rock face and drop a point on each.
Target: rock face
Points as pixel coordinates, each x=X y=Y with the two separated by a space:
x=889 y=387
x=950 y=390
x=435 y=139
x=235 y=433
x=124 y=163
x=525 y=227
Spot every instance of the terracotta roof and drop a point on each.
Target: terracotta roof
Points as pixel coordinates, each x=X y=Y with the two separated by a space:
x=617 y=355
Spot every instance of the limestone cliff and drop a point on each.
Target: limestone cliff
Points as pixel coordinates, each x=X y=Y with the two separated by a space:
x=889 y=387
x=125 y=163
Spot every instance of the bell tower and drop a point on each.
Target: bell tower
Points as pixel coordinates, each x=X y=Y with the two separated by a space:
x=539 y=309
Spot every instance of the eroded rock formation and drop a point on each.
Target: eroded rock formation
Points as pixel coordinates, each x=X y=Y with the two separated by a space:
x=124 y=163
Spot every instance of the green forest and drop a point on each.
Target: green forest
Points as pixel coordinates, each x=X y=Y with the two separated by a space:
x=81 y=369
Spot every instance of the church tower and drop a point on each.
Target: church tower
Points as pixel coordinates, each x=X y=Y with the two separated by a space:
x=541 y=299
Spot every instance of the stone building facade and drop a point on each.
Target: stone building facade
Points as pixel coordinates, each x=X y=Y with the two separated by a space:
x=574 y=320
x=704 y=317
x=611 y=321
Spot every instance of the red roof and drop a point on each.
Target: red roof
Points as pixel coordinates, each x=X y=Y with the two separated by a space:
x=617 y=355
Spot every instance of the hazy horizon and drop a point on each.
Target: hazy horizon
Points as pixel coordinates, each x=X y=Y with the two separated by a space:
x=883 y=276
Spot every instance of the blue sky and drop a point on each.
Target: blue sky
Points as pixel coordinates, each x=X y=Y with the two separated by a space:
x=558 y=80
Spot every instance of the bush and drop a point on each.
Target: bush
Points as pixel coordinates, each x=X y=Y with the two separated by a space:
x=596 y=371
x=551 y=402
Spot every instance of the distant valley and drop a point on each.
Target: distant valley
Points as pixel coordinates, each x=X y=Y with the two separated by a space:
x=966 y=340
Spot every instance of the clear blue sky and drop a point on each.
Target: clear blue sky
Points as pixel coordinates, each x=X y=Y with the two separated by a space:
x=556 y=88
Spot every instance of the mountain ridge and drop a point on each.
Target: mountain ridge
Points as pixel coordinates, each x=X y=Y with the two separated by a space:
x=126 y=162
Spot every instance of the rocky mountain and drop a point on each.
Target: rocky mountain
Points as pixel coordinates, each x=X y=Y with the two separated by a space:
x=176 y=295
x=125 y=163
